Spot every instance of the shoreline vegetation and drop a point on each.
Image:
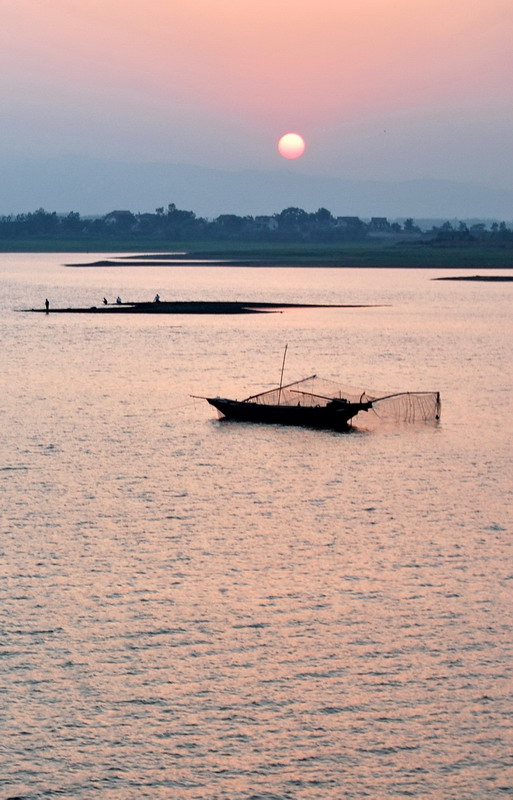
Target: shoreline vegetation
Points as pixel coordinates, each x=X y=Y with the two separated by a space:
x=293 y=237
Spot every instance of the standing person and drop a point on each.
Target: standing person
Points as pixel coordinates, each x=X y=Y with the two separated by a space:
x=47 y=305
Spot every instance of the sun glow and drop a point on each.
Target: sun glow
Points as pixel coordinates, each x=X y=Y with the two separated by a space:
x=291 y=145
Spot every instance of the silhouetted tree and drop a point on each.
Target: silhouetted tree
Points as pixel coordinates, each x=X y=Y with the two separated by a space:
x=410 y=227
x=291 y=217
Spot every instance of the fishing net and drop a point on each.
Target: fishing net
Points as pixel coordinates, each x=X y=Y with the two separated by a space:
x=409 y=406
x=315 y=391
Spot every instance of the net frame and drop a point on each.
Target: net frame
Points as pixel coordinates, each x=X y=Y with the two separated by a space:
x=315 y=391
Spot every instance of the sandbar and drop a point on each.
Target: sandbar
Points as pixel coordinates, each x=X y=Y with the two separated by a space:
x=190 y=307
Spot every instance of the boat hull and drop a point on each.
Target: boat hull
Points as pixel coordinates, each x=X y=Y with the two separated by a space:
x=337 y=416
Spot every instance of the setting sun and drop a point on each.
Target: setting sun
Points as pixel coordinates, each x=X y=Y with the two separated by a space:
x=291 y=145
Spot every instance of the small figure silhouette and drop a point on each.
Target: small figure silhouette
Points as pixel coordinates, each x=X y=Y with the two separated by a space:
x=118 y=300
x=104 y=301
x=157 y=298
x=47 y=305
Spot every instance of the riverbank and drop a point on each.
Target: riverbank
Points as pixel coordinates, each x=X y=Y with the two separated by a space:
x=373 y=254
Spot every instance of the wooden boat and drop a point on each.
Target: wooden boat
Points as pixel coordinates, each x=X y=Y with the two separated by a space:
x=318 y=403
x=317 y=412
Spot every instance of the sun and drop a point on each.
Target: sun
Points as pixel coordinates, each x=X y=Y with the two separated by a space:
x=291 y=145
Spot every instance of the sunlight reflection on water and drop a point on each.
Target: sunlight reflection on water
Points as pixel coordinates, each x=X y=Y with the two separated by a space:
x=196 y=609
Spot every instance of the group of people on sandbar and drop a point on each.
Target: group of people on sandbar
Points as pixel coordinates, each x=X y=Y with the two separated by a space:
x=119 y=301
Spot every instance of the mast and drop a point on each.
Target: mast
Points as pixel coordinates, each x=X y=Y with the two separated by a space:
x=281 y=376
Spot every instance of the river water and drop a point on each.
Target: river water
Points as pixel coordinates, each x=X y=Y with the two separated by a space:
x=197 y=609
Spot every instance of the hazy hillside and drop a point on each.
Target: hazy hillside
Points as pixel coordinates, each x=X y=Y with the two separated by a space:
x=92 y=186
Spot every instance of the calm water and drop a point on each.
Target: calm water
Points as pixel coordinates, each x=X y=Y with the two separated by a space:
x=192 y=609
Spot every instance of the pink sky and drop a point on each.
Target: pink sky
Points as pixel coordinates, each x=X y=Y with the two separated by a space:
x=413 y=87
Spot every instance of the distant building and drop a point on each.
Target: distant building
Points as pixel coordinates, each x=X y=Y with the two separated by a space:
x=379 y=224
x=266 y=223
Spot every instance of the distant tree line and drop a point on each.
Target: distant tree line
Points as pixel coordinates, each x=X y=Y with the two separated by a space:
x=497 y=232
x=291 y=224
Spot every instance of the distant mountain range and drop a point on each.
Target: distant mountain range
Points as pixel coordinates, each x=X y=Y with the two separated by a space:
x=94 y=186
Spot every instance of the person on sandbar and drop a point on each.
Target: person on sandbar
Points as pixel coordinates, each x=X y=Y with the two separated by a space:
x=47 y=305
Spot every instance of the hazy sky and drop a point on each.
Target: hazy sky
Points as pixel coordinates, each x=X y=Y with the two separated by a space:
x=378 y=88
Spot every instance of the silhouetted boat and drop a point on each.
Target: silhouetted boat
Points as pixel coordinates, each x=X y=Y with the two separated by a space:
x=319 y=403
x=292 y=405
